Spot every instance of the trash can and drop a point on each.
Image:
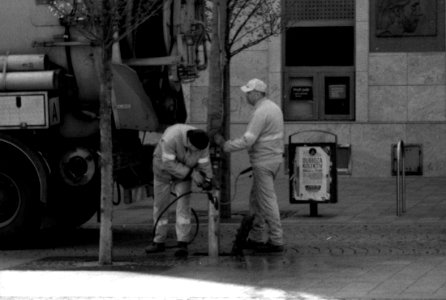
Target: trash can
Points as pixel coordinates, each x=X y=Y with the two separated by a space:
x=312 y=171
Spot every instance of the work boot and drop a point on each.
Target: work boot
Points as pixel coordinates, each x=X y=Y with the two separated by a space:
x=182 y=250
x=251 y=244
x=241 y=236
x=270 y=248
x=155 y=248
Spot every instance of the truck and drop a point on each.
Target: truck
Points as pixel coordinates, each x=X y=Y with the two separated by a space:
x=49 y=105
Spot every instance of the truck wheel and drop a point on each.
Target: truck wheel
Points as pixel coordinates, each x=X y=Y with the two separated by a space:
x=19 y=216
x=22 y=186
x=75 y=187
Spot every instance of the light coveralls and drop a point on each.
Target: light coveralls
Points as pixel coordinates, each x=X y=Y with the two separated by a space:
x=264 y=140
x=172 y=162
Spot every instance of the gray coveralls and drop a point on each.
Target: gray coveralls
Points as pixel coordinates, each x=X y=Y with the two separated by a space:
x=264 y=140
x=172 y=162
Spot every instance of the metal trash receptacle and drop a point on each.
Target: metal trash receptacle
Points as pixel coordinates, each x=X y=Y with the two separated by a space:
x=312 y=171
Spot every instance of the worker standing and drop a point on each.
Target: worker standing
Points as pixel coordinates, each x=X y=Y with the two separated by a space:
x=180 y=158
x=263 y=139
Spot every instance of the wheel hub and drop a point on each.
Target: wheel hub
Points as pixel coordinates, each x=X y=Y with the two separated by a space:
x=77 y=167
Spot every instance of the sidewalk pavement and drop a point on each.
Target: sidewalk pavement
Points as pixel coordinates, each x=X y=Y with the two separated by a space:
x=355 y=249
x=370 y=200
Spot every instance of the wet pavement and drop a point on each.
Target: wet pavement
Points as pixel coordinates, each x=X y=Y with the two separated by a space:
x=355 y=249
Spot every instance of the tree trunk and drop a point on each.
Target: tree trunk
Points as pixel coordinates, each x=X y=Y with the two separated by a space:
x=225 y=210
x=215 y=91
x=105 y=128
x=218 y=106
x=106 y=161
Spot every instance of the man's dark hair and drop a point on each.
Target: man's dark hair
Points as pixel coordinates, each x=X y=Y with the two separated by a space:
x=198 y=138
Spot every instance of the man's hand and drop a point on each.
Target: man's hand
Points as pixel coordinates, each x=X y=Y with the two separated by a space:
x=197 y=178
x=219 y=139
x=206 y=185
x=189 y=174
x=200 y=179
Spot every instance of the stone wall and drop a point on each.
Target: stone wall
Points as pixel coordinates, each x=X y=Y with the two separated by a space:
x=398 y=95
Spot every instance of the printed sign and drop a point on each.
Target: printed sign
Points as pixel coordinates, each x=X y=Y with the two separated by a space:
x=313 y=166
x=301 y=93
x=337 y=91
x=54 y=111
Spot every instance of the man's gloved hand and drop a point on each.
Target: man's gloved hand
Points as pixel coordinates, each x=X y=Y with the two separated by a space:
x=200 y=179
x=219 y=139
x=197 y=178
x=206 y=185
x=189 y=175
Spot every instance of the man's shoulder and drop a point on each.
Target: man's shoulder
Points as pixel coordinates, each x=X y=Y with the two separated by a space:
x=180 y=126
x=177 y=129
x=269 y=106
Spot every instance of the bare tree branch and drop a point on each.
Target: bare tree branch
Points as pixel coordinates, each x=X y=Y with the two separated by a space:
x=251 y=26
x=235 y=15
x=88 y=17
x=231 y=4
x=144 y=14
x=248 y=45
x=258 y=32
x=243 y=24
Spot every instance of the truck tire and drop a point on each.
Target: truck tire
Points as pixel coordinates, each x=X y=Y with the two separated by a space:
x=22 y=190
x=15 y=207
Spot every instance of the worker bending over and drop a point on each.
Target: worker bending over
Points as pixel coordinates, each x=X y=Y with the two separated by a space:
x=181 y=156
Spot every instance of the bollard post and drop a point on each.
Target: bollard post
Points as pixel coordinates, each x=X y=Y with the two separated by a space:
x=214 y=207
x=398 y=183
x=214 y=227
x=403 y=180
x=400 y=179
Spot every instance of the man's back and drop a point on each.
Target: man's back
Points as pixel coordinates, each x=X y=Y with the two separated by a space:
x=268 y=117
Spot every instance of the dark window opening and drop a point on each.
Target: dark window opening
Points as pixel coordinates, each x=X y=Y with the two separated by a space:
x=337 y=95
x=319 y=46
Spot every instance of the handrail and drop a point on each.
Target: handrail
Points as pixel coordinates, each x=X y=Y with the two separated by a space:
x=400 y=179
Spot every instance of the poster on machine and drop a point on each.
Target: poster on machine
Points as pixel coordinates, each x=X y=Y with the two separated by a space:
x=313 y=169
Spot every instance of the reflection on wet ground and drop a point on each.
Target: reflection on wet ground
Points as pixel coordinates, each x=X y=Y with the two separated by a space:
x=357 y=249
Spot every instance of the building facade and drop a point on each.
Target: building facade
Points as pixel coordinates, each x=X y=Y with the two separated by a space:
x=372 y=72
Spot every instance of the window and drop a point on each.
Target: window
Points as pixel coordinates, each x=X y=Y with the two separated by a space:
x=319 y=72
x=319 y=94
x=337 y=95
x=319 y=46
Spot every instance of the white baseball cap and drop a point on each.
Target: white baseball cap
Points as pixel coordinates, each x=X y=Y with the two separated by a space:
x=254 y=84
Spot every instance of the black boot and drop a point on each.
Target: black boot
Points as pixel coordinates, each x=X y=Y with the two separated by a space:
x=271 y=248
x=253 y=245
x=182 y=250
x=242 y=235
x=155 y=248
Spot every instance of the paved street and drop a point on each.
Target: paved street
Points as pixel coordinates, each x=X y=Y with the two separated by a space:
x=356 y=249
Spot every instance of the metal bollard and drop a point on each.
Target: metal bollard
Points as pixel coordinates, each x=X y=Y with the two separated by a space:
x=400 y=179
